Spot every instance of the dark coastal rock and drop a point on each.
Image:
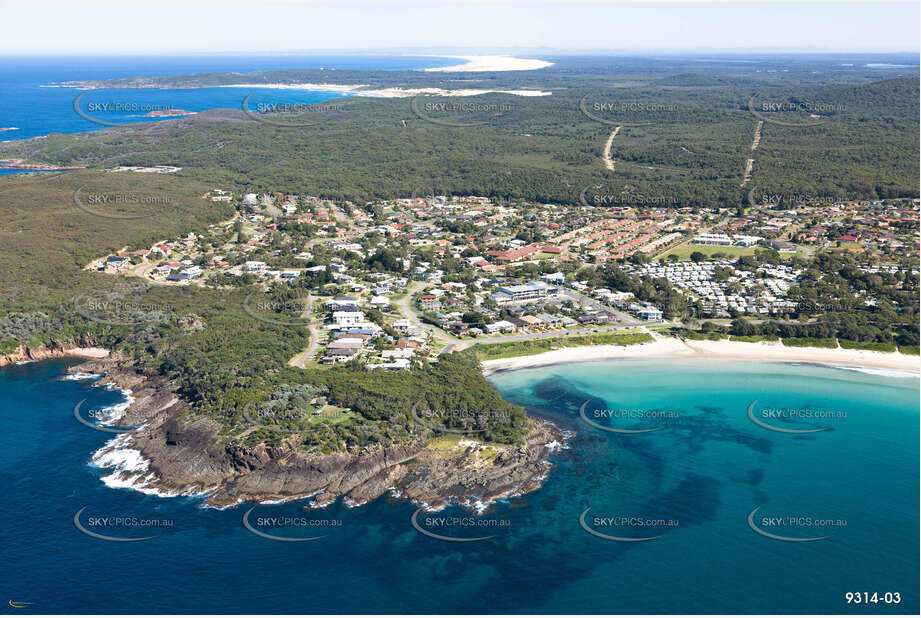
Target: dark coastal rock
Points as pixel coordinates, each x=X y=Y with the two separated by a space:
x=188 y=453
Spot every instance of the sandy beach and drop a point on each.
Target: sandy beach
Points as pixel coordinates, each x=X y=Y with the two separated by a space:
x=492 y=63
x=357 y=90
x=671 y=348
x=87 y=352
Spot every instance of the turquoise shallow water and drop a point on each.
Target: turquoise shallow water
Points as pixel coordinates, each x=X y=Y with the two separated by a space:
x=694 y=482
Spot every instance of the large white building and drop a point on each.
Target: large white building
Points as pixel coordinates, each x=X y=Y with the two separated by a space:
x=524 y=293
x=724 y=240
x=717 y=240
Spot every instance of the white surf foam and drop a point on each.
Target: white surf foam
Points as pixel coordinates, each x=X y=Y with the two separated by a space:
x=115 y=412
x=888 y=373
x=82 y=376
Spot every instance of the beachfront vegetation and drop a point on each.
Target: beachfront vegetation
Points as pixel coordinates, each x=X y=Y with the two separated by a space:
x=492 y=351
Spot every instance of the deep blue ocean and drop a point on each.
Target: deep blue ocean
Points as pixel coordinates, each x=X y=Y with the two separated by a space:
x=696 y=479
x=31 y=102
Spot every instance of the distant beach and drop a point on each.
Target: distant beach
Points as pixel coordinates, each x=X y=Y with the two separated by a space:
x=492 y=63
x=356 y=89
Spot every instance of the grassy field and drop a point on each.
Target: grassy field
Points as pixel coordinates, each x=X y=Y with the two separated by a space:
x=492 y=351
x=684 y=251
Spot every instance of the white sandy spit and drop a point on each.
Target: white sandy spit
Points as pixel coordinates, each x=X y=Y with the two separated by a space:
x=357 y=90
x=492 y=63
x=670 y=348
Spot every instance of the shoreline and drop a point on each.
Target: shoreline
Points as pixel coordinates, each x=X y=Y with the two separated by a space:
x=167 y=452
x=21 y=164
x=24 y=354
x=489 y=64
x=390 y=93
x=336 y=89
x=676 y=349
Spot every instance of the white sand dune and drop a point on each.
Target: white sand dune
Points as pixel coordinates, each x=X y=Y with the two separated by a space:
x=492 y=63
x=357 y=90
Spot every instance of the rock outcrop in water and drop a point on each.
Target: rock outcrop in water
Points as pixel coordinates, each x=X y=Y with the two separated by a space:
x=188 y=453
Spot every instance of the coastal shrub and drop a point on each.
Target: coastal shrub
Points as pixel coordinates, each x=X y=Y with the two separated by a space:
x=754 y=338
x=809 y=342
x=867 y=345
x=492 y=351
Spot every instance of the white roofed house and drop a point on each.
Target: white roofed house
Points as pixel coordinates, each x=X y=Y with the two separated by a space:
x=380 y=302
x=348 y=318
x=398 y=363
x=645 y=312
x=117 y=263
x=343 y=303
x=501 y=326
x=743 y=240
x=558 y=278
x=186 y=274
